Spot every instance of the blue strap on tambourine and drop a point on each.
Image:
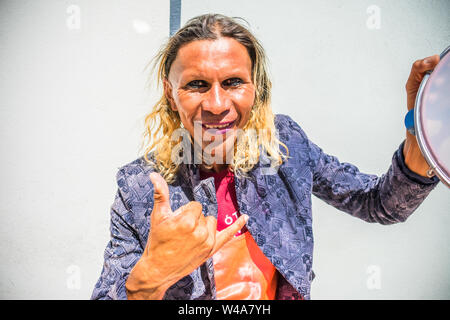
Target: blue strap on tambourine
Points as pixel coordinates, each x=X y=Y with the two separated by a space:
x=409 y=122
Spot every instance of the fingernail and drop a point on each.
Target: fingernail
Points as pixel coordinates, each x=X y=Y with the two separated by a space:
x=246 y=217
x=427 y=61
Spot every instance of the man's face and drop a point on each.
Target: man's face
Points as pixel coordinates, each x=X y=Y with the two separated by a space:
x=210 y=82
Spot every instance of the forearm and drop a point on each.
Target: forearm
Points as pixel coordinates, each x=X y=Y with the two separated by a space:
x=414 y=159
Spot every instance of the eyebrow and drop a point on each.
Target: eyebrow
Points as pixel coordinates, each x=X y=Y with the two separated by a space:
x=236 y=72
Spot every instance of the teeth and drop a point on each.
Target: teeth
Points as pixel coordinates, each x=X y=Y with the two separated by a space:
x=216 y=126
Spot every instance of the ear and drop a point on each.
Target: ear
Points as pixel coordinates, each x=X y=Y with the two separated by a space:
x=168 y=94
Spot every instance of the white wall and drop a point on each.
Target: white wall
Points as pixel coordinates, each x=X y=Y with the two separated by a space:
x=73 y=99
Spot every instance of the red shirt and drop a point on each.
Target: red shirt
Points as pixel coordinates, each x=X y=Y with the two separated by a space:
x=242 y=271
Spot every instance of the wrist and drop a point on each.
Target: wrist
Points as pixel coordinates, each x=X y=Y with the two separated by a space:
x=145 y=294
x=145 y=282
x=414 y=159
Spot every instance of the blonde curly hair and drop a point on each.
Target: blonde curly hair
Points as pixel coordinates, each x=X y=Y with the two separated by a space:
x=162 y=121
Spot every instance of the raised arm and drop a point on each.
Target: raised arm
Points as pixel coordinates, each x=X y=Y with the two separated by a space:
x=178 y=243
x=388 y=199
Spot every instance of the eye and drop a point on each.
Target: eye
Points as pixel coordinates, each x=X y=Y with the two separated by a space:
x=233 y=82
x=197 y=84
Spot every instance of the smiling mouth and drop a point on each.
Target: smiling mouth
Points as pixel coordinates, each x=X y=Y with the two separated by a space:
x=218 y=126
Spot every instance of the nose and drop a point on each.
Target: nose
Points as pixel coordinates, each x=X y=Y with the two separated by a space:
x=216 y=100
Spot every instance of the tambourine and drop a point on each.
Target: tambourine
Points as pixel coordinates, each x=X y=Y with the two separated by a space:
x=432 y=118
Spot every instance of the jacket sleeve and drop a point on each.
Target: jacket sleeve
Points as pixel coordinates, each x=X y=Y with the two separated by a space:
x=122 y=251
x=388 y=199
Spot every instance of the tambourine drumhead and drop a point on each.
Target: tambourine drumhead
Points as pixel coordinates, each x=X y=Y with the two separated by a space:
x=432 y=118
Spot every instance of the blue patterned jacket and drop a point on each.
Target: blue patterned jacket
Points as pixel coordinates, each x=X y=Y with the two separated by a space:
x=279 y=207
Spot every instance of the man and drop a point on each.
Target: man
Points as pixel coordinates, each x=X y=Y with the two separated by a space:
x=215 y=209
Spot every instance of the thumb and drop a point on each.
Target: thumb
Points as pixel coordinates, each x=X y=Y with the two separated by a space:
x=419 y=68
x=431 y=62
x=161 y=194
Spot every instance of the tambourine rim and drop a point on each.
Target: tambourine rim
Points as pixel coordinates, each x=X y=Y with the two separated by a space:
x=419 y=130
